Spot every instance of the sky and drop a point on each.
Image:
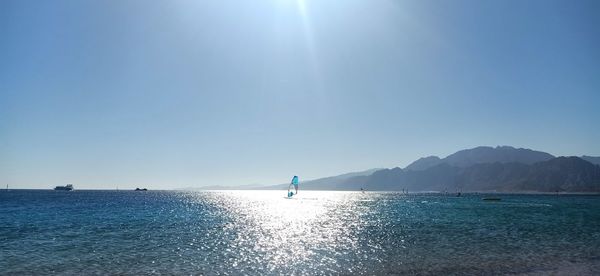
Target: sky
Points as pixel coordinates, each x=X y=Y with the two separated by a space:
x=168 y=94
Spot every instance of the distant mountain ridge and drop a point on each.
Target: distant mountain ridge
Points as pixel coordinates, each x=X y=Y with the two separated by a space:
x=424 y=163
x=480 y=169
x=591 y=159
x=330 y=181
x=488 y=169
x=480 y=155
x=561 y=174
x=325 y=183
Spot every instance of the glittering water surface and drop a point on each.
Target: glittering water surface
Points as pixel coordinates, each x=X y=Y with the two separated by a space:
x=261 y=232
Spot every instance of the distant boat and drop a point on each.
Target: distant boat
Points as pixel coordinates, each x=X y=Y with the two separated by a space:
x=492 y=199
x=141 y=190
x=68 y=187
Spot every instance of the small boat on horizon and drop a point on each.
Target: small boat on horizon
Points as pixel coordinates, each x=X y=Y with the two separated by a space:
x=492 y=199
x=141 y=190
x=68 y=187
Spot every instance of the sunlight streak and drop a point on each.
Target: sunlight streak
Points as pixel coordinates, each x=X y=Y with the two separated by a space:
x=310 y=42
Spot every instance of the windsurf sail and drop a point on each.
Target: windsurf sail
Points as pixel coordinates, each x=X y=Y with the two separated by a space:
x=293 y=186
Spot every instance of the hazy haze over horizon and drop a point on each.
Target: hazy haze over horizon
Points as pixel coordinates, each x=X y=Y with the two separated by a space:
x=169 y=94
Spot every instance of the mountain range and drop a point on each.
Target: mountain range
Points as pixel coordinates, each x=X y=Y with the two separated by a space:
x=560 y=174
x=591 y=159
x=480 y=169
x=479 y=155
x=316 y=184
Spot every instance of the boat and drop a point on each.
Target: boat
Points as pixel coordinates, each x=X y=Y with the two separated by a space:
x=68 y=187
x=492 y=199
x=141 y=190
x=293 y=185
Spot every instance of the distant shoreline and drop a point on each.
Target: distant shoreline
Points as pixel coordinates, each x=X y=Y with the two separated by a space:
x=312 y=190
x=410 y=192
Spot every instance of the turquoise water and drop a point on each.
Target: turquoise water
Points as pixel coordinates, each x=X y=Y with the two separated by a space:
x=261 y=232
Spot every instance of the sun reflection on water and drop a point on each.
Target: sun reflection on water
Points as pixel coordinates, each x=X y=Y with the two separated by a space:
x=286 y=233
x=262 y=233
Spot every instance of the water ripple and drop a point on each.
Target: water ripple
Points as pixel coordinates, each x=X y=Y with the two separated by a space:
x=262 y=233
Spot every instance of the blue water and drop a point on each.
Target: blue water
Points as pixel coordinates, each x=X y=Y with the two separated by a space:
x=261 y=232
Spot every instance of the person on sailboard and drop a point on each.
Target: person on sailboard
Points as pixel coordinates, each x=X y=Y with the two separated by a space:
x=293 y=186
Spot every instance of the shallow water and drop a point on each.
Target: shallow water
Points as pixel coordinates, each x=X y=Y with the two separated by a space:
x=261 y=232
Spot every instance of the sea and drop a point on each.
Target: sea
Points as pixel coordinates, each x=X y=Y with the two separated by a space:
x=81 y=232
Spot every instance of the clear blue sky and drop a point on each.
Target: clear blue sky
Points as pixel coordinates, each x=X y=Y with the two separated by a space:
x=165 y=94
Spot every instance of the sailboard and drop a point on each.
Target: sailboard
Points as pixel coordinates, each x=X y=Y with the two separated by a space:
x=293 y=187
